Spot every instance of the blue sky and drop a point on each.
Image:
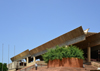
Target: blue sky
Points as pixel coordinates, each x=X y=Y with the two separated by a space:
x=30 y=23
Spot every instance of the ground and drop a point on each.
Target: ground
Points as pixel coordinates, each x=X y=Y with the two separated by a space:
x=44 y=68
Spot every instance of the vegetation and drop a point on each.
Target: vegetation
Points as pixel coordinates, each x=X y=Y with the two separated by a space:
x=4 y=67
x=63 y=52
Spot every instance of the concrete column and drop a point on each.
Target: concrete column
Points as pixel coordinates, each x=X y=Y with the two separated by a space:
x=34 y=59
x=27 y=61
x=89 y=54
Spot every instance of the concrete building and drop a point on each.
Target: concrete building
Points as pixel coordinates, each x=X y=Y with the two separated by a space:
x=89 y=42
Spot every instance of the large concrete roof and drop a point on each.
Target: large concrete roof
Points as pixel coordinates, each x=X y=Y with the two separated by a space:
x=59 y=40
x=91 y=39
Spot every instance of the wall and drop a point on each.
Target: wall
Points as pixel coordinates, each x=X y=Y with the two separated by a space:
x=12 y=65
x=38 y=62
x=29 y=64
x=12 y=70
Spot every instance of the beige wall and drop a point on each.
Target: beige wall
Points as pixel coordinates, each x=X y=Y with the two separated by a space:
x=12 y=65
x=29 y=64
x=41 y=62
x=12 y=70
x=38 y=62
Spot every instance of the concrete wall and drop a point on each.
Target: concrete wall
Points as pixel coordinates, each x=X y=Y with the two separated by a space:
x=38 y=62
x=12 y=70
x=41 y=62
x=12 y=65
x=29 y=64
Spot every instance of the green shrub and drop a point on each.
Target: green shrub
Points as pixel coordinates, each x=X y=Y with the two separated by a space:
x=63 y=52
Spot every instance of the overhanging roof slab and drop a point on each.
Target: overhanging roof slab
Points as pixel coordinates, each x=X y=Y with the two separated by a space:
x=59 y=40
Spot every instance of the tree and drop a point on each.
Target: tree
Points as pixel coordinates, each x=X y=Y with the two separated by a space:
x=4 y=66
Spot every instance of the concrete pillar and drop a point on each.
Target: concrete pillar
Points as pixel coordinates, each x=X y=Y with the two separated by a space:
x=89 y=54
x=34 y=59
x=27 y=61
